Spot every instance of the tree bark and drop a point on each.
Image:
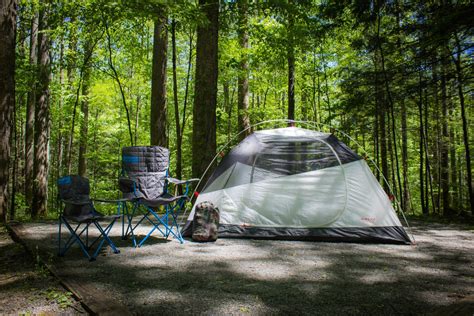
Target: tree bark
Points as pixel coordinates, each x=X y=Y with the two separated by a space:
x=71 y=64
x=40 y=192
x=176 y=103
x=14 y=152
x=82 y=163
x=381 y=122
x=291 y=68
x=445 y=138
x=205 y=89
x=465 y=133
x=7 y=94
x=326 y=89
x=188 y=79
x=455 y=202
x=60 y=140
x=423 y=199
x=30 y=113
x=158 y=84
x=243 y=80
x=406 y=191
x=382 y=107
x=227 y=107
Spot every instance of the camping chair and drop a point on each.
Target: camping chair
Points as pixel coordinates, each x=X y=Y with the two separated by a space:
x=78 y=215
x=146 y=184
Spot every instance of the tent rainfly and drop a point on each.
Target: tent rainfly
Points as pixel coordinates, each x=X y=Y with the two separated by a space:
x=298 y=184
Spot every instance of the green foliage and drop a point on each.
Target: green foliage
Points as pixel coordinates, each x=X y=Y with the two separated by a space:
x=339 y=78
x=62 y=298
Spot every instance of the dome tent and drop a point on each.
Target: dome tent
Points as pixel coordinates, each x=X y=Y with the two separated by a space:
x=294 y=183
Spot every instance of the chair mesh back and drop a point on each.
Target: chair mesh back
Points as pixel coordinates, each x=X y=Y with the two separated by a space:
x=76 y=189
x=148 y=167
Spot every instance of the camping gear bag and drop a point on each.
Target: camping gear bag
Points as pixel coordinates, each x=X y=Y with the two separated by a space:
x=206 y=222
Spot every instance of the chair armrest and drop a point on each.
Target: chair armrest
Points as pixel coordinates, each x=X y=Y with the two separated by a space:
x=76 y=202
x=110 y=201
x=179 y=182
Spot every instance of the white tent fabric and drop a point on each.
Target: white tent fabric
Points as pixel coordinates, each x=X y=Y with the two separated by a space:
x=340 y=202
x=341 y=196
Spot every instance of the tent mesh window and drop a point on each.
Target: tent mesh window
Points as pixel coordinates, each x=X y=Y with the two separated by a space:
x=288 y=158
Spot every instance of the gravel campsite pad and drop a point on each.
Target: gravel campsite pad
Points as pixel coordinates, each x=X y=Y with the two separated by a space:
x=257 y=277
x=26 y=288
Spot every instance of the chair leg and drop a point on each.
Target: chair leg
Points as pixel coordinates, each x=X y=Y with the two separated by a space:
x=167 y=227
x=59 y=236
x=76 y=239
x=87 y=246
x=104 y=237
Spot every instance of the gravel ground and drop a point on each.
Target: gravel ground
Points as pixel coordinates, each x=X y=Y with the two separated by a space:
x=261 y=277
x=26 y=288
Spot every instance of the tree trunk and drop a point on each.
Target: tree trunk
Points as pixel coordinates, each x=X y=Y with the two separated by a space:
x=30 y=113
x=82 y=163
x=445 y=138
x=205 y=89
x=326 y=89
x=429 y=177
x=40 y=192
x=15 y=146
x=116 y=77
x=381 y=128
x=186 y=88
x=7 y=94
x=227 y=107
x=316 y=104
x=395 y=180
x=291 y=68
x=243 y=81
x=176 y=103
x=59 y=144
x=437 y=169
x=465 y=133
x=455 y=203
x=423 y=200
x=406 y=191
x=71 y=64
x=158 y=84
x=382 y=107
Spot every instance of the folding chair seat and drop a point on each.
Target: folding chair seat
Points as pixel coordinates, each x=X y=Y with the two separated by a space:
x=78 y=215
x=145 y=183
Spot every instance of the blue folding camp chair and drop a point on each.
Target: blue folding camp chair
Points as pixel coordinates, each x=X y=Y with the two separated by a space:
x=78 y=215
x=146 y=184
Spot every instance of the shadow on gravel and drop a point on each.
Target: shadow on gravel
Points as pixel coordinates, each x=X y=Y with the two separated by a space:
x=280 y=277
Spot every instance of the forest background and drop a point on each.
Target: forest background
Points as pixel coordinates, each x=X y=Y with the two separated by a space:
x=80 y=79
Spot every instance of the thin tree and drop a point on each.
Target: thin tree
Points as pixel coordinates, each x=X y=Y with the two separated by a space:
x=82 y=162
x=243 y=80
x=179 y=137
x=444 y=136
x=116 y=77
x=460 y=82
x=291 y=65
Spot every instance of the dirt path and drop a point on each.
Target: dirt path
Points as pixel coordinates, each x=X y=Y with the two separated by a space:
x=257 y=277
x=27 y=288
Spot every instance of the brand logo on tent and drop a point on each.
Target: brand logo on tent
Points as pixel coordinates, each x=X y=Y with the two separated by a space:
x=368 y=219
